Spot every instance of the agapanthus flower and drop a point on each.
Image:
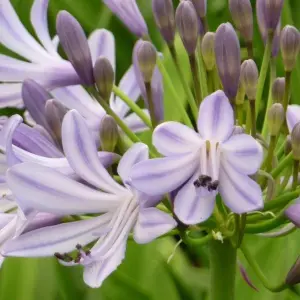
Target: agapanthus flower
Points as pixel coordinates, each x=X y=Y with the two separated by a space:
x=292 y=116
x=293 y=213
x=49 y=191
x=130 y=15
x=201 y=165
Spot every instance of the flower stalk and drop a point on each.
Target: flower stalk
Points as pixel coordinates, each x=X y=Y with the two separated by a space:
x=196 y=78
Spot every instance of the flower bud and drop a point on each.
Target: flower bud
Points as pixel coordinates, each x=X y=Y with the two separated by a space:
x=75 y=45
x=163 y=11
x=242 y=15
x=240 y=96
x=146 y=58
x=249 y=78
x=278 y=90
x=208 y=50
x=288 y=145
x=104 y=77
x=275 y=118
x=293 y=277
x=269 y=13
x=55 y=112
x=290 y=46
x=109 y=133
x=201 y=7
x=187 y=25
x=228 y=58
x=293 y=213
x=295 y=135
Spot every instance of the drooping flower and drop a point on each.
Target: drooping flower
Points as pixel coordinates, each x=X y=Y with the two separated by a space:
x=130 y=15
x=201 y=165
x=293 y=213
x=127 y=208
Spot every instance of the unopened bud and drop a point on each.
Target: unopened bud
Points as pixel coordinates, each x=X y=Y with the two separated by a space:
x=295 y=135
x=278 y=90
x=163 y=11
x=201 y=7
x=75 y=45
x=208 y=50
x=146 y=58
x=269 y=13
x=55 y=112
x=293 y=277
x=109 y=133
x=104 y=76
x=288 y=145
x=228 y=58
x=290 y=46
x=188 y=25
x=249 y=78
x=275 y=118
x=242 y=15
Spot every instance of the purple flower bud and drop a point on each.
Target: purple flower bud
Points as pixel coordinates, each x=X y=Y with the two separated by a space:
x=129 y=14
x=276 y=41
x=249 y=78
x=295 y=135
x=35 y=98
x=208 y=50
x=55 y=112
x=278 y=90
x=288 y=146
x=163 y=11
x=201 y=7
x=187 y=25
x=228 y=58
x=275 y=118
x=269 y=13
x=146 y=57
x=104 y=77
x=293 y=276
x=242 y=15
x=293 y=213
x=75 y=45
x=290 y=46
x=109 y=133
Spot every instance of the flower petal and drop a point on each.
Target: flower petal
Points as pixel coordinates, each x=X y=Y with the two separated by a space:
x=243 y=152
x=134 y=122
x=96 y=272
x=10 y=95
x=151 y=224
x=162 y=175
x=292 y=116
x=47 y=190
x=102 y=43
x=171 y=138
x=191 y=206
x=38 y=18
x=137 y=153
x=216 y=119
x=239 y=192
x=5 y=219
x=81 y=152
x=58 y=238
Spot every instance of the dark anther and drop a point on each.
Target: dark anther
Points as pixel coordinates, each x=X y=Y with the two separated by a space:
x=78 y=247
x=65 y=257
x=77 y=258
x=203 y=180
x=59 y=256
x=88 y=252
x=213 y=185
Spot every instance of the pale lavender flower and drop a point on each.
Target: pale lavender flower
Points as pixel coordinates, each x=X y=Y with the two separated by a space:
x=49 y=191
x=292 y=116
x=203 y=164
x=129 y=14
x=201 y=7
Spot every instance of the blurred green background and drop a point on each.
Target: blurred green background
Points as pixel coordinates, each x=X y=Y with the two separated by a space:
x=146 y=273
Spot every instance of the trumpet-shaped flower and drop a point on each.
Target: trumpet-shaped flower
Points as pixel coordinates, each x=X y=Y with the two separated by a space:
x=127 y=209
x=201 y=165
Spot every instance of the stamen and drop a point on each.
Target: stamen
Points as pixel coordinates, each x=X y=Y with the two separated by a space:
x=213 y=185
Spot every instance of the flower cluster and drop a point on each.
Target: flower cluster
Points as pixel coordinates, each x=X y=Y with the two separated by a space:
x=78 y=180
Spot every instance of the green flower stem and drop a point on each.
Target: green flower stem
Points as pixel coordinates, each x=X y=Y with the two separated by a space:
x=198 y=241
x=132 y=105
x=254 y=265
x=248 y=118
x=223 y=258
x=151 y=104
x=216 y=79
x=267 y=165
x=285 y=181
x=280 y=150
x=270 y=99
x=295 y=174
x=179 y=104
x=196 y=78
x=264 y=71
x=249 y=46
x=203 y=75
x=287 y=90
x=253 y=117
x=240 y=114
x=282 y=200
x=282 y=165
x=184 y=83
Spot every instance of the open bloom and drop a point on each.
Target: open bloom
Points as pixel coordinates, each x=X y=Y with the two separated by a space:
x=49 y=191
x=202 y=164
x=292 y=116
